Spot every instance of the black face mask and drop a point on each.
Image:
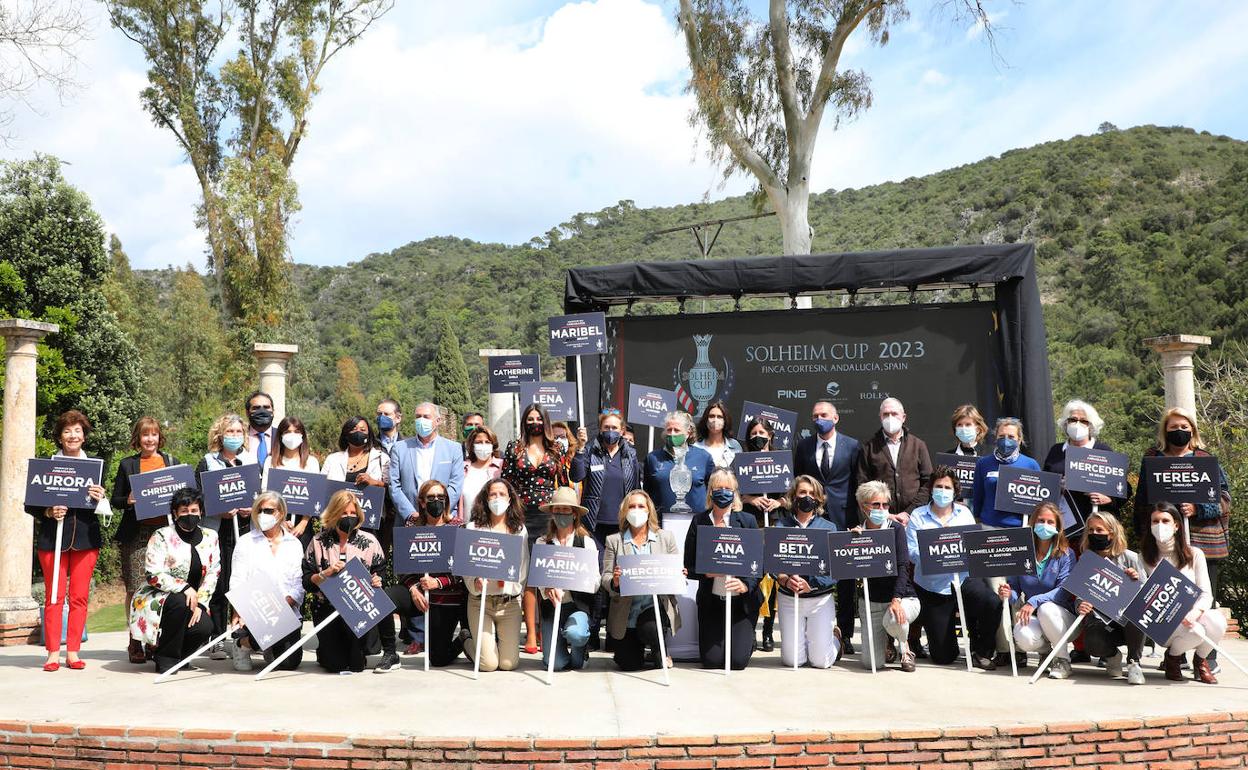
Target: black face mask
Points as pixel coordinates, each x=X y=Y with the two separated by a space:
x=261 y=419
x=1098 y=542
x=806 y=504
x=189 y=522
x=435 y=508
x=758 y=443
x=534 y=428
x=357 y=439
x=1178 y=438
x=348 y=524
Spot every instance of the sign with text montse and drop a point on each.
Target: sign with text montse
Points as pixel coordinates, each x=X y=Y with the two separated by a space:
x=963 y=467
x=370 y=499
x=424 y=550
x=942 y=550
x=1101 y=583
x=62 y=481
x=783 y=423
x=1162 y=603
x=557 y=398
x=360 y=604
x=1020 y=490
x=796 y=551
x=866 y=554
x=762 y=473
x=303 y=492
x=508 y=372
x=564 y=567
x=647 y=405
x=1000 y=552
x=583 y=334
x=229 y=488
x=481 y=553
x=1097 y=470
x=735 y=551
x=642 y=574
x=262 y=606
x=1189 y=479
x=153 y=490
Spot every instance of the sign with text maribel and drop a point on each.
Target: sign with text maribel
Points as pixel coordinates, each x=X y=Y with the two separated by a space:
x=360 y=604
x=732 y=551
x=557 y=398
x=1101 y=583
x=783 y=423
x=487 y=555
x=584 y=334
x=942 y=550
x=564 y=567
x=153 y=490
x=1178 y=480
x=1020 y=490
x=1160 y=606
x=1000 y=552
x=1096 y=470
x=642 y=574
x=370 y=499
x=303 y=492
x=795 y=551
x=507 y=372
x=648 y=406
x=762 y=473
x=229 y=488
x=963 y=467
x=424 y=550
x=62 y=481
x=866 y=554
x=260 y=603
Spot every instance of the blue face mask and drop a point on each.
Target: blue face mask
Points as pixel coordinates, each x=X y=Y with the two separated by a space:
x=966 y=434
x=1045 y=532
x=942 y=497
x=823 y=426
x=878 y=517
x=424 y=426
x=723 y=497
x=1007 y=446
x=232 y=443
x=610 y=437
x=385 y=423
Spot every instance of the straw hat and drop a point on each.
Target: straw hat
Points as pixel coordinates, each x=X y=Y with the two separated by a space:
x=564 y=496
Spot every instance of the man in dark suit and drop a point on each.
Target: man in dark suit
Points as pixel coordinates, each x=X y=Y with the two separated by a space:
x=833 y=458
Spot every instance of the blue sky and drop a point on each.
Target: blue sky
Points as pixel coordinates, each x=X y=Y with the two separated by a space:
x=498 y=119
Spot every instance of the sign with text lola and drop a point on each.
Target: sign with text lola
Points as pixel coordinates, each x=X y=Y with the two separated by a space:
x=1020 y=490
x=963 y=467
x=647 y=405
x=1178 y=480
x=1101 y=583
x=423 y=550
x=1096 y=470
x=507 y=372
x=942 y=550
x=303 y=492
x=783 y=422
x=264 y=609
x=1000 y=552
x=732 y=551
x=370 y=499
x=62 y=481
x=1160 y=606
x=230 y=488
x=153 y=490
x=487 y=555
x=866 y=554
x=557 y=398
x=762 y=473
x=642 y=574
x=351 y=592
x=796 y=551
x=564 y=567
x=583 y=334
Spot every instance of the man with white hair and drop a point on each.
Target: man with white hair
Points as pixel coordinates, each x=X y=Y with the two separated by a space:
x=898 y=458
x=424 y=456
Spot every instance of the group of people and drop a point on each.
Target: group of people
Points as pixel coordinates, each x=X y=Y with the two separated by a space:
x=555 y=485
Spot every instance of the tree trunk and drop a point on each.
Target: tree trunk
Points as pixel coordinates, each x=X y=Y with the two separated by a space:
x=792 y=207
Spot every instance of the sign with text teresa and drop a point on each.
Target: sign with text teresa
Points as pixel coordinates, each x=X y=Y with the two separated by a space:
x=1178 y=480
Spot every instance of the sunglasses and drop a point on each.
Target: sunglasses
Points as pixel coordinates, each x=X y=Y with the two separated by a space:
x=429 y=498
x=606 y=412
x=268 y=510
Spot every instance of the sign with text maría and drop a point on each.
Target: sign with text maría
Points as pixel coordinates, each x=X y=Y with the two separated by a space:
x=762 y=473
x=1160 y=606
x=1096 y=470
x=866 y=554
x=564 y=567
x=1101 y=583
x=264 y=609
x=732 y=551
x=642 y=574
x=963 y=467
x=792 y=550
x=1000 y=552
x=370 y=499
x=507 y=372
x=303 y=492
x=153 y=490
x=942 y=550
x=583 y=334
x=360 y=604
x=229 y=488
x=557 y=398
x=487 y=555
x=62 y=481
x=1020 y=490
x=647 y=405
x=1178 y=480
x=783 y=423
x=424 y=550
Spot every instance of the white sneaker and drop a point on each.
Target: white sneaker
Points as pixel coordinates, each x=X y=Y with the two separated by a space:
x=1060 y=669
x=242 y=657
x=1113 y=665
x=218 y=652
x=1135 y=674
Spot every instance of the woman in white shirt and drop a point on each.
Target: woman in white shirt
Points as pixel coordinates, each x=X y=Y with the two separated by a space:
x=566 y=529
x=498 y=508
x=293 y=456
x=271 y=551
x=360 y=459
x=482 y=465
x=715 y=435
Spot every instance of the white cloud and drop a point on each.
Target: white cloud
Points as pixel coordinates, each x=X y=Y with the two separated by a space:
x=934 y=78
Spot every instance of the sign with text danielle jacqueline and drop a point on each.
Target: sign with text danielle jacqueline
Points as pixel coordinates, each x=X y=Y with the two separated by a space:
x=1162 y=603
x=488 y=555
x=1096 y=470
x=352 y=593
x=1101 y=583
x=732 y=551
x=796 y=551
x=153 y=490
x=866 y=554
x=557 y=398
x=1020 y=490
x=62 y=481
x=1000 y=552
x=230 y=488
x=507 y=372
x=303 y=492
x=783 y=423
x=642 y=574
x=424 y=550
x=762 y=473
x=1178 y=480
x=583 y=334
x=564 y=567
x=942 y=550
x=370 y=499
x=264 y=609
x=647 y=405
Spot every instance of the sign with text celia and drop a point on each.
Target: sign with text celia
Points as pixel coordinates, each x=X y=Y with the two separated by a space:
x=942 y=550
x=763 y=473
x=732 y=551
x=62 y=481
x=153 y=490
x=1000 y=552
x=866 y=554
x=424 y=550
x=557 y=398
x=1160 y=606
x=351 y=592
x=642 y=574
x=1178 y=480
x=264 y=609
x=796 y=551
x=1103 y=584
x=564 y=567
x=303 y=492
x=230 y=488
x=583 y=334
x=487 y=555
x=1020 y=490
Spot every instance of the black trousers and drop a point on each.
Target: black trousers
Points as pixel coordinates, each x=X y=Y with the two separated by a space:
x=338 y=648
x=937 y=617
x=280 y=646
x=176 y=639
x=1102 y=639
x=219 y=605
x=711 y=632
x=846 y=606
x=630 y=650
x=441 y=641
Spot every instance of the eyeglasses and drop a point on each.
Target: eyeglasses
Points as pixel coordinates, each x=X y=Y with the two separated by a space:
x=268 y=510
x=878 y=506
x=1070 y=420
x=429 y=498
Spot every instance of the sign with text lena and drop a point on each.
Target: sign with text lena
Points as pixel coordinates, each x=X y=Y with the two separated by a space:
x=583 y=334
x=557 y=398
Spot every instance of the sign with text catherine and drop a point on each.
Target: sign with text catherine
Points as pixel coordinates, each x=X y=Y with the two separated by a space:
x=423 y=550
x=783 y=422
x=792 y=550
x=942 y=550
x=732 y=551
x=1000 y=552
x=642 y=574
x=229 y=488
x=1020 y=490
x=303 y=492
x=488 y=555
x=153 y=490
x=1096 y=470
x=62 y=481
x=647 y=405
x=557 y=398
x=1101 y=583
x=1160 y=606
x=507 y=372
x=564 y=567
x=583 y=334
x=370 y=499
x=963 y=467
x=1181 y=479
x=351 y=592
x=264 y=609
x=762 y=473
x=866 y=554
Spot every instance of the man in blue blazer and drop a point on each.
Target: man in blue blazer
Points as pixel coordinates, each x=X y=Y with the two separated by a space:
x=415 y=460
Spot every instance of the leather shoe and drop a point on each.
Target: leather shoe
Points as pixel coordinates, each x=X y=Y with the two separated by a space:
x=1174 y=667
x=1201 y=672
x=769 y=644
x=907 y=661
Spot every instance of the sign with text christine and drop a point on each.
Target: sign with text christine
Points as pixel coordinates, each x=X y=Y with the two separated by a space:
x=351 y=592
x=1178 y=480
x=583 y=334
x=62 y=481
x=642 y=574
x=153 y=490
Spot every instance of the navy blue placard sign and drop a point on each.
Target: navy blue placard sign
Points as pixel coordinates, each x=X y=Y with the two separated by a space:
x=942 y=550
x=264 y=609
x=762 y=473
x=303 y=492
x=62 y=481
x=1160 y=606
x=229 y=488
x=564 y=567
x=1096 y=470
x=557 y=398
x=1000 y=552
x=487 y=555
x=153 y=490
x=1020 y=490
x=732 y=551
x=360 y=604
x=423 y=550
x=963 y=467
x=1178 y=480
x=648 y=406
x=642 y=574
x=507 y=372
x=796 y=551
x=583 y=334
x=1103 y=584
x=783 y=422
x=370 y=499
x=866 y=554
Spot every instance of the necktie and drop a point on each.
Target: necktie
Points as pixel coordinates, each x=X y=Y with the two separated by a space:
x=825 y=467
x=262 y=453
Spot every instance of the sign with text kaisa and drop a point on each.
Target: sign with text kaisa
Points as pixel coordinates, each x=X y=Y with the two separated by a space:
x=1020 y=490
x=583 y=334
x=1096 y=470
x=507 y=372
x=557 y=398
x=424 y=550
x=1178 y=480
x=360 y=604
x=642 y=574
x=62 y=481
x=762 y=473
x=647 y=405
x=153 y=490
x=963 y=467
x=1101 y=583
x=796 y=551
x=564 y=567
x=487 y=555
x=783 y=423
x=1000 y=552
x=370 y=499
x=1160 y=606
x=264 y=609
x=732 y=551
x=866 y=554
x=229 y=488
x=303 y=492
x=942 y=550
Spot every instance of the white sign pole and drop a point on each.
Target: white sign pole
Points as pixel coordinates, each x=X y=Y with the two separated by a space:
x=476 y=663
x=727 y=631
x=56 y=560
x=650 y=447
x=658 y=622
x=428 y=617
x=192 y=656
x=551 y=644
x=966 y=638
x=516 y=408
x=1009 y=633
x=866 y=595
x=1061 y=643
x=580 y=394
x=798 y=644
x=1200 y=631
x=297 y=645
x=234 y=519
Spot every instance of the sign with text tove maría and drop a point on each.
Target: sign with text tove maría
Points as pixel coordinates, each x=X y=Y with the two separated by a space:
x=866 y=554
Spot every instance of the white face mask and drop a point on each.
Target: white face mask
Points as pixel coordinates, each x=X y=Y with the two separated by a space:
x=292 y=440
x=1077 y=431
x=562 y=443
x=891 y=425
x=267 y=521
x=638 y=517
x=483 y=451
x=498 y=506
x=1163 y=533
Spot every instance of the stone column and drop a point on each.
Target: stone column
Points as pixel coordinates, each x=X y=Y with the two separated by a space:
x=1176 y=363
x=502 y=411
x=273 y=360
x=19 y=613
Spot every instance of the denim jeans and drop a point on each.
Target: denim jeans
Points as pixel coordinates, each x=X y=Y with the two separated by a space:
x=570 y=645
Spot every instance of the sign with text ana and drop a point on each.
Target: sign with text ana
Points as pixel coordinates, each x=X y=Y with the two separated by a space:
x=352 y=593
x=153 y=490
x=564 y=567
x=1096 y=470
x=557 y=398
x=1160 y=606
x=303 y=492
x=508 y=372
x=942 y=550
x=264 y=609
x=642 y=574
x=732 y=551
x=1101 y=583
x=229 y=488
x=963 y=467
x=791 y=550
x=487 y=555
x=423 y=550
x=783 y=422
x=762 y=473
x=1181 y=479
x=647 y=405
x=370 y=499
x=1020 y=490
x=62 y=481
x=1000 y=552
x=866 y=554
x=583 y=334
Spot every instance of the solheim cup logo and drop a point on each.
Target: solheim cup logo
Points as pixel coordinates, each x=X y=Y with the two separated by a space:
x=696 y=388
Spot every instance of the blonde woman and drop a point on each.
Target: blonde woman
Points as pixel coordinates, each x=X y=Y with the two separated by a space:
x=1104 y=536
x=273 y=551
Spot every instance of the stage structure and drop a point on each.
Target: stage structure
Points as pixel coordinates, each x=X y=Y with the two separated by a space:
x=933 y=356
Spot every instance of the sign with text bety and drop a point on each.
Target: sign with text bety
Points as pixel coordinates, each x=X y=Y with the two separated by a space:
x=583 y=334
x=423 y=550
x=1160 y=606
x=1101 y=583
x=62 y=481
x=557 y=398
x=963 y=467
x=303 y=492
x=564 y=567
x=487 y=555
x=1000 y=552
x=507 y=372
x=351 y=592
x=229 y=488
x=1096 y=470
x=866 y=554
x=264 y=609
x=642 y=574
x=734 y=551
x=796 y=551
x=942 y=550
x=647 y=405
x=762 y=473
x=1020 y=490
x=783 y=422
x=153 y=490
x=1178 y=480
x=370 y=499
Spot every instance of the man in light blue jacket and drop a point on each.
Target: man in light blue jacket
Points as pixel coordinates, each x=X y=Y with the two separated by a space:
x=415 y=460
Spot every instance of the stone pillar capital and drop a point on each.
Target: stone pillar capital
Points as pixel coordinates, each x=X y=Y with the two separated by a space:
x=272 y=359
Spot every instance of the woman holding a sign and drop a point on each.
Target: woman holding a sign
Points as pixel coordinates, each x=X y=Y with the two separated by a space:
x=817 y=639
x=766 y=509
x=1104 y=536
x=1007 y=450
x=498 y=508
x=569 y=642
x=269 y=549
x=715 y=435
x=294 y=455
x=1081 y=425
x=359 y=459
x=482 y=465
x=1048 y=611
x=897 y=606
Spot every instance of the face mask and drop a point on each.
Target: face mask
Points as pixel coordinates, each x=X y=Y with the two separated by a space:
x=1077 y=431
x=723 y=497
x=266 y=521
x=878 y=517
x=534 y=428
x=674 y=441
x=1163 y=533
x=806 y=504
x=292 y=440
x=468 y=429
x=348 y=524
x=232 y=443
x=609 y=437
x=564 y=520
x=638 y=517
x=423 y=426
x=758 y=443
x=942 y=497
x=562 y=443
x=261 y=418
x=823 y=426
x=1007 y=446
x=715 y=423
x=499 y=505
x=1097 y=541
x=1178 y=438
x=189 y=522
x=385 y=423
x=483 y=451
x=435 y=508
x=357 y=439
x=1044 y=531
x=891 y=425
x=966 y=434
